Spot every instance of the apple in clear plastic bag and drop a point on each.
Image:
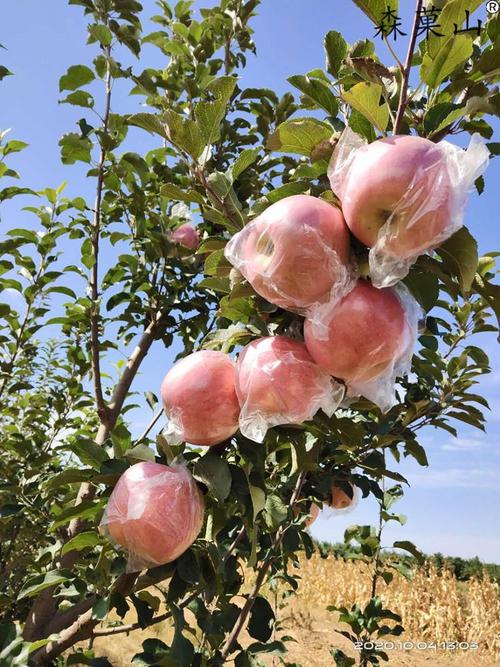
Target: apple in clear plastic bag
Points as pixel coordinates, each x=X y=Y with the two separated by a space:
x=402 y=180
x=277 y=382
x=155 y=512
x=361 y=337
x=294 y=253
x=199 y=397
x=187 y=235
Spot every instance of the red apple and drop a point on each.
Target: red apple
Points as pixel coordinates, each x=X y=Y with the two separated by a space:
x=155 y=512
x=294 y=253
x=314 y=511
x=200 y=398
x=403 y=179
x=187 y=235
x=277 y=382
x=361 y=336
x=341 y=499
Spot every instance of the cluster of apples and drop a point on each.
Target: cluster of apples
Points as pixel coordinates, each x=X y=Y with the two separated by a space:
x=401 y=196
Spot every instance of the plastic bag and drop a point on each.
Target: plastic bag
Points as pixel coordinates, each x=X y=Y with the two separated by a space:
x=155 y=512
x=366 y=340
x=295 y=254
x=277 y=382
x=200 y=400
x=403 y=196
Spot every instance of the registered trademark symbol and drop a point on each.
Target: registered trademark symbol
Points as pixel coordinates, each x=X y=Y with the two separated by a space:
x=492 y=6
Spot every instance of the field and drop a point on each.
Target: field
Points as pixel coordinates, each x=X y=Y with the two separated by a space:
x=434 y=608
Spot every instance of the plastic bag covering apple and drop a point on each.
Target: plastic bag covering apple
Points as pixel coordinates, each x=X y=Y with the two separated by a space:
x=366 y=339
x=341 y=501
x=155 y=512
x=403 y=196
x=295 y=254
x=187 y=235
x=277 y=382
x=199 y=397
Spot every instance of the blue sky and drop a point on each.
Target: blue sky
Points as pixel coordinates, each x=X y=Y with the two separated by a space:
x=452 y=505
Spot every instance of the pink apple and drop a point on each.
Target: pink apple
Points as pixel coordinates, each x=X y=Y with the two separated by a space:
x=404 y=179
x=187 y=235
x=200 y=398
x=340 y=499
x=294 y=253
x=277 y=382
x=361 y=336
x=155 y=512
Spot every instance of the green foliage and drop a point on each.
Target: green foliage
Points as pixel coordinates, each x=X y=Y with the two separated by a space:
x=223 y=153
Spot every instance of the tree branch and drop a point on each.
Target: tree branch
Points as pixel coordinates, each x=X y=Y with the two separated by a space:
x=263 y=570
x=407 y=69
x=95 y=317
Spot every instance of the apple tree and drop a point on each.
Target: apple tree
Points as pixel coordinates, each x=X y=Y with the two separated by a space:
x=95 y=285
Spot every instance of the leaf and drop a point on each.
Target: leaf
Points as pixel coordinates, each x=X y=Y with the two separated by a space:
x=88 y=509
x=149 y=122
x=81 y=541
x=375 y=9
x=275 y=511
x=243 y=161
x=460 y=257
x=80 y=98
x=258 y=500
x=453 y=52
x=75 y=148
x=365 y=97
x=440 y=115
x=88 y=452
x=424 y=286
x=336 y=50
x=140 y=452
x=260 y=624
x=214 y=472
x=490 y=293
x=75 y=77
x=99 y=33
x=209 y=115
x=406 y=545
x=4 y=72
x=318 y=91
x=173 y=191
x=33 y=585
x=299 y=135
x=184 y=133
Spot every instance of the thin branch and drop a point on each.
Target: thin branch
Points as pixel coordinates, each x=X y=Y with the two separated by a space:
x=102 y=409
x=151 y=425
x=264 y=568
x=407 y=68
x=394 y=55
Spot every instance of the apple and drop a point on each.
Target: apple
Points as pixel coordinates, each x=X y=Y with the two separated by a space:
x=277 y=382
x=402 y=181
x=187 y=235
x=200 y=399
x=361 y=336
x=294 y=253
x=340 y=499
x=155 y=512
x=314 y=511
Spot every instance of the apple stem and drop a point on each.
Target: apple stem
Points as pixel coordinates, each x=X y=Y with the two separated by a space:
x=403 y=100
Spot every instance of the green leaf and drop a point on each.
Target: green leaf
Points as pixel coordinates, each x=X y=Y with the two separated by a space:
x=454 y=50
x=275 y=511
x=209 y=115
x=365 y=97
x=214 y=472
x=75 y=148
x=4 y=72
x=261 y=622
x=460 y=257
x=140 y=452
x=75 y=77
x=375 y=9
x=406 y=545
x=184 y=133
x=88 y=509
x=175 y=192
x=299 y=135
x=440 y=115
x=424 y=286
x=37 y=583
x=149 y=122
x=318 y=91
x=258 y=497
x=336 y=50
x=243 y=161
x=99 y=33
x=490 y=293
x=81 y=541
x=80 y=98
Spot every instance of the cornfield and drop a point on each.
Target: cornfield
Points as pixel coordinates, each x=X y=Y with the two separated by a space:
x=434 y=608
